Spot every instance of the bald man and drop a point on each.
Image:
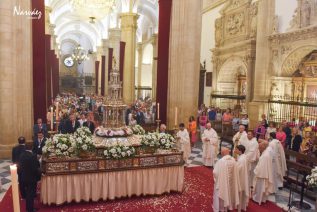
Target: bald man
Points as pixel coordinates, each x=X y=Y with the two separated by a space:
x=162 y=128
x=263 y=174
x=226 y=188
x=210 y=144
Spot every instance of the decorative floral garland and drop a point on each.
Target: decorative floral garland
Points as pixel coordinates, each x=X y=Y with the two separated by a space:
x=158 y=140
x=119 y=152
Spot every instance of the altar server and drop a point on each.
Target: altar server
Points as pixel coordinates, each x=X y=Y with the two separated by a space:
x=210 y=145
x=182 y=137
x=264 y=179
x=226 y=188
x=243 y=171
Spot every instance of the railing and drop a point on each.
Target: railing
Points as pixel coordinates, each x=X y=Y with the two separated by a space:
x=292 y=109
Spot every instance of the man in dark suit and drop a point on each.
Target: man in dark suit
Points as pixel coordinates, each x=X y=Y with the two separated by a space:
x=16 y=154
x=18 y=150
x=72 y=124
x=39 y=126
x=89 y=124
x=38 y=144
x=140 y=117
x=29 y=175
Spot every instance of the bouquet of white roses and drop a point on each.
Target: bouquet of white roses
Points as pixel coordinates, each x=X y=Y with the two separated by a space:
x=166 y=141
x=150 y=140
x=119 y=152
x=60 y=145
x=83 y=139
x=312 y=179
x=137 y=130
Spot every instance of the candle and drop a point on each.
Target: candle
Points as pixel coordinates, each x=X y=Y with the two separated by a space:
x=52 y=118
x=57 y=112
x=175 y=116
x=15 y=189
x=158 y=111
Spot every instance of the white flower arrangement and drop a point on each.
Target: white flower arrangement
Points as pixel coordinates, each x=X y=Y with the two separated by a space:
x=83 y=139
x=312 y=179
x=60 y=145
x=137 y=130
x=158 y=140
x=119 y=152
x=166 y=141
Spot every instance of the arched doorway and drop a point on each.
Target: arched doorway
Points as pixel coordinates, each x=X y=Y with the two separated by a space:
x=231 y=84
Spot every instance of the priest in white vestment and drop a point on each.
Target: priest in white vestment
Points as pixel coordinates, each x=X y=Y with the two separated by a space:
x=243 y=170
x=182 y=137
x=210 y=145
x=226 y=187
x=279 y=163
x=240 y=137
x=263 y=179
x=252 y=154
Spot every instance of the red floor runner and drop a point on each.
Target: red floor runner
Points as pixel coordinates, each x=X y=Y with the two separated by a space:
x=197 y=196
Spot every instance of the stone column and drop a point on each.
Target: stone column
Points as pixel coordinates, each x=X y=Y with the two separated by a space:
x=140 y=60
x=105 y=51
x=128 y=35
x=114 y=42
x=261 y=82
x=154 y=66
x=16 y=96
x=184 y=60
x=98 y=56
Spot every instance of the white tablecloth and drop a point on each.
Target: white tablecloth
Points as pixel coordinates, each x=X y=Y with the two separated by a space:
x=59 y=189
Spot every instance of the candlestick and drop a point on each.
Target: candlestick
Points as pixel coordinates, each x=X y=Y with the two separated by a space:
x=57 y=111
x=175 y=116
x=158 y=111
x=15 y=189
x=52 y=84
x=52 y=119
x=158 y=125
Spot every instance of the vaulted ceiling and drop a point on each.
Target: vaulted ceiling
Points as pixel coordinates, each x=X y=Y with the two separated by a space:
x=73 y=26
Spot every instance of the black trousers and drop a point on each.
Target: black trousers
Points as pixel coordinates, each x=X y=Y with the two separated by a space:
x=30 y=194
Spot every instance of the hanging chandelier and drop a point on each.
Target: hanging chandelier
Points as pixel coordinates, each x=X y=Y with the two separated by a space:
x=79 y=54
x=96 y=8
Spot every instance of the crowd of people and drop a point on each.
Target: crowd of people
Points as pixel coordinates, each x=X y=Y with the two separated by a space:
x=257 y=166
x=255 y=169
x=141 y=112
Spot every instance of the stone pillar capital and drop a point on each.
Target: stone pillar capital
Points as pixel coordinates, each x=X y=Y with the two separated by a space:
x=129 y=21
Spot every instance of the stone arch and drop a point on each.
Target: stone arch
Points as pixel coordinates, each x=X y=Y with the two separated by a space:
x=294 y=58
x=228 y=74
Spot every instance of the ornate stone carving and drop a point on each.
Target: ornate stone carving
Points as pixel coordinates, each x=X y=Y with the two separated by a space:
x=291 y=63
x=304 y=14
x=235 y=24
x=285 y=49
x=218 y=31
x=275 y=25
x=253 y=24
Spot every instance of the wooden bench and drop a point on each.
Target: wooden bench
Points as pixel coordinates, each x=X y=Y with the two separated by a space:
x=301 y=165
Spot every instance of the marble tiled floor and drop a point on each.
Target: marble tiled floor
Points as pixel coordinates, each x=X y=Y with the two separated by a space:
x=280 y=198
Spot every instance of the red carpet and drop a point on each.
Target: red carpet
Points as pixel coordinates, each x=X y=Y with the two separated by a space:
x=197 y=196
